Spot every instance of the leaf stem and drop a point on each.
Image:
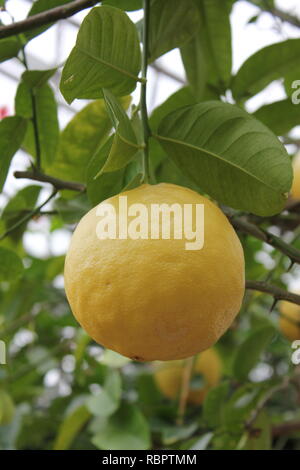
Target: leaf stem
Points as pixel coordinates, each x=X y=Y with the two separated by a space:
x=143 y=100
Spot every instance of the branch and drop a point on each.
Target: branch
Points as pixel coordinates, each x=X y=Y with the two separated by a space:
x=249 y=228
x=28 y=216
x=46 y=17
x=282 y=15
x=276 y=292
x=285 y=428
x=168 y=73
x=56 y=183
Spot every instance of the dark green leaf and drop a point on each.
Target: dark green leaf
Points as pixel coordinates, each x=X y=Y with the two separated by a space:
x=230 y=155
x=37 y=78
x=194 y=62
x=47 y=119
x=72 y=210
x=9 y=47
x=38 y=7
x=127 y=429
x=11 y=266
x=261 y=439
x=281 y=117
x=213 y=404
x=12 y=132
x=250 y=351
x=265 y=66
x=106 y=55
x=172 y=23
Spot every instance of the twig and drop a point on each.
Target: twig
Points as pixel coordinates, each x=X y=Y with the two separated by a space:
x=28 y=216
x=185 y=387
x=285 y=428
x=46 y=17
x=282 y=15
x=249 y=228
x=168 y=73
x=56 y=183
x=276 y=292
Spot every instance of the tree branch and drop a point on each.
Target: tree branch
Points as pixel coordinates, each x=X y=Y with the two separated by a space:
x=282 y=15
x=276 y=292
x=46 y=17
x=249 y=228
x=56 y=183
x=285 y=428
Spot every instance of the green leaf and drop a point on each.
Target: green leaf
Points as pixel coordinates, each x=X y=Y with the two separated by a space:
x=250 y=351
x=72 y=210
x=213 y=404
x=81 y=140
x=11 y=266
x=47 y=120
x=281 y=117
x=124 y=145
x=203 y=442
x=127 y=429
x=106 y=184
x=230 y=155
x=38 y=7
x=265 y=66
x=261 y=438
x=128 y=5
x=194 y=62
x=215 y=16
x=9 y=47
x=106 y=55
x=107 y=400
x=37 y=78
x=12 y=132
x=71 y=426
x=172 y=23
x=113 y=359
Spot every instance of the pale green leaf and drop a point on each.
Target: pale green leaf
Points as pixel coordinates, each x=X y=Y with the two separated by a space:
x=107 y=400
x=12 y=132
x=11 y=266
x=230 y=155
x=265 y=66
x=71 y=426
x=250 y=351
x=281 y=116
x=106 y=55
x=127 y=429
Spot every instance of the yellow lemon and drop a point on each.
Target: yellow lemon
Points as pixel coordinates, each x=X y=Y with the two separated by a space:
x=295 y=191
x=289 y=322
x=154 y=299
x=169 y=376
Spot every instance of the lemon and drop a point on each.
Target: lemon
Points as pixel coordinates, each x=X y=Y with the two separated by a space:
x=289 y=322
x=295 y=191
x=154 y=299
x=169 y=376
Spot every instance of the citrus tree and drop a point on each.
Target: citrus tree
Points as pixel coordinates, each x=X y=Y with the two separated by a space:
x=235 y=383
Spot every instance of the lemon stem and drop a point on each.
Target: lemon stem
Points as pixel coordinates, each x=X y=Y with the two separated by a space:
x=143 y=100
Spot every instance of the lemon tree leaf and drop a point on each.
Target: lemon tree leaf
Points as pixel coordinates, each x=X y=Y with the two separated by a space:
x=124 y=145
x=127 y=429
x=9 y=47
x=262 y=440
x=213 y=404
x=106 y=184
x=280 y=116
x=46 y=116
x=71 y=426
x=72 y=210
x=229 y=155
x=249 y=352
x=172 y=23
x=11 y=266
x=38 y=7
x=265 y=66
x=81 y=140
x=37 y=78
x=193 y=58
x=216 y=22
x=128 y=5
x=106 y=55
x=107 y=400
x=12 y=133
